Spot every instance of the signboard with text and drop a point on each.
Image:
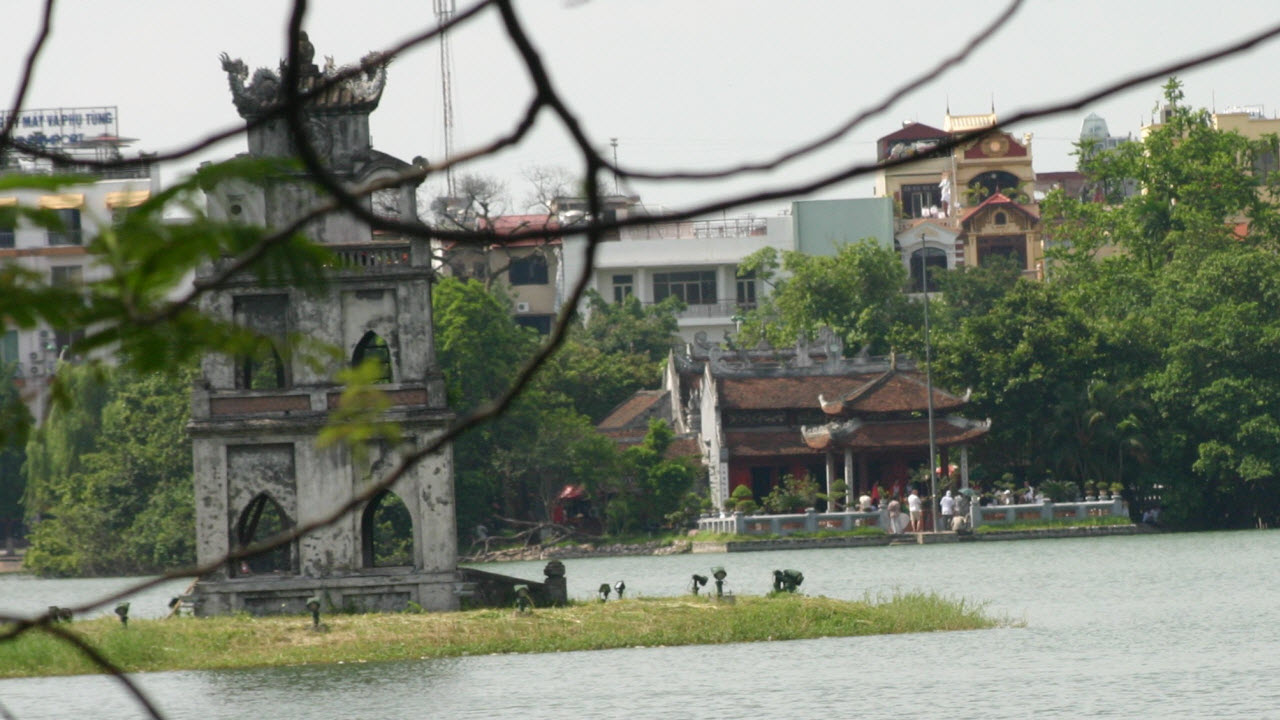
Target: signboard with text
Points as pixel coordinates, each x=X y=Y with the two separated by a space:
x=56 y=128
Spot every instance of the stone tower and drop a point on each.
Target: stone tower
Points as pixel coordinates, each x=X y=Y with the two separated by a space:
x=256 y=418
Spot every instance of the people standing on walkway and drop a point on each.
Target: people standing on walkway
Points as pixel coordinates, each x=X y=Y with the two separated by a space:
x=895 y=516
x=916 y=510
x=948 y=505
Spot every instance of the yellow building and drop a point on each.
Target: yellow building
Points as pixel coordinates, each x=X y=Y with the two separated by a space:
x=982 y=189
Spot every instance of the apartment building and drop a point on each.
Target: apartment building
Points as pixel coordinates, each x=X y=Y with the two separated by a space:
x=82 y=134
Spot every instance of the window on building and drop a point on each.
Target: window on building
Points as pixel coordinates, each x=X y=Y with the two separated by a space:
x=926 y=265
x=66 y=276
x=1265 y=161
x=747 y=290
x=9 y=347
x=63 y=339
x=528 y=270
x=622 y=287
x=8 y=225
x=374 y=349
x=68 y=228
x=541 y=323
x=995 y=181
x=916 y=199
x=1001 y=218
x=694 y=287
x=1013 y=247
x=262 y=367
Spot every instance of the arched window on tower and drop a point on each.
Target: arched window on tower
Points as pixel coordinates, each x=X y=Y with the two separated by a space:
x=262 y=518
x=372 y=348
x=926 y=264
x=386 y=536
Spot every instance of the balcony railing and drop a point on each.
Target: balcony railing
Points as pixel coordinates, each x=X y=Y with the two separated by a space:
x=718 y=309
x=66 y=237
x=699 y=229
x=372 y=257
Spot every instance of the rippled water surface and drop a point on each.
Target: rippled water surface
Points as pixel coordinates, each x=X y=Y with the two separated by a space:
x=1142 y=626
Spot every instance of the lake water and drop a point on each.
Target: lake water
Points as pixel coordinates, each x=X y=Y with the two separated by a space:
x=1170 y=626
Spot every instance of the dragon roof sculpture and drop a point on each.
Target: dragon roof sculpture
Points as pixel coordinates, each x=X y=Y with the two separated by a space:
x=331 y=89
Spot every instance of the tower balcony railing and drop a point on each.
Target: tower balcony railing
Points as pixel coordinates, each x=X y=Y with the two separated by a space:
x=372 y=257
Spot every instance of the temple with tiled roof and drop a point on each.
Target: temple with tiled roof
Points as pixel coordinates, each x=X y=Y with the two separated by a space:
x=764 y=413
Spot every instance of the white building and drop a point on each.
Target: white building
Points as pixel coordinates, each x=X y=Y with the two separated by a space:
x=695 y=260
x=60 y=254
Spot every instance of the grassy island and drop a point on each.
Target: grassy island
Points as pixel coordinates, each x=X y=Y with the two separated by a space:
x=244 y=641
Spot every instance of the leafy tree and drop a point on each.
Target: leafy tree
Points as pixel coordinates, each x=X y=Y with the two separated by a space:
x=124 y=505
x=857 y=292
x=1182 y=314
x=13 y=440
x=515 y=466
x=620 y=348
x=650 y=485
x=1019 y=359
x=1196 y=183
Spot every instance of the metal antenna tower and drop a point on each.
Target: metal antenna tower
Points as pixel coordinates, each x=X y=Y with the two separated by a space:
x=444 y=14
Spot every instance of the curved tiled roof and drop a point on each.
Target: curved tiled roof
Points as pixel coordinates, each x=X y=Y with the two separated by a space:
x=888 y=392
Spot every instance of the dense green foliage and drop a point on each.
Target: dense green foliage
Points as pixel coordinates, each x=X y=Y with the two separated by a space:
x=13 y=453
x=1147 y=359
x=109 y=476
x=857 y=293
x=515 y=467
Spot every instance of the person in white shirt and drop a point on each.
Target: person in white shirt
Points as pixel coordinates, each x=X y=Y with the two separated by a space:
x=948 y=504
x=916 y=511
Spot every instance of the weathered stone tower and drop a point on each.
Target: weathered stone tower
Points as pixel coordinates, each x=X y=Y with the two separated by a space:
x=255 y=419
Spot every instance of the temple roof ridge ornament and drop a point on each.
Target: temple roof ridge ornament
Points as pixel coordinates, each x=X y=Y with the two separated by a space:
x=819 y=437
x=822 y=356
x=355 y=87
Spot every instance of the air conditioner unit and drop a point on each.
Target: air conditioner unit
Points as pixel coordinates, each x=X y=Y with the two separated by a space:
x=522 y=307
x=36 y=370
x=44 y=333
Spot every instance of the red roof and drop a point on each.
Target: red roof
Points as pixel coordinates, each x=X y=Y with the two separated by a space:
x=912 y=434
x=899 y=391
x=916 y=131
x=786 y=392
x=640 y=406
x=892 y=391
x=999 y=199
x=902 y=434
x=514 y=224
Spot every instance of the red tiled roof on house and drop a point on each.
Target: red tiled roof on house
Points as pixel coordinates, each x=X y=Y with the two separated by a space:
x=513 y=224
x=916 y=131
x=998 y=199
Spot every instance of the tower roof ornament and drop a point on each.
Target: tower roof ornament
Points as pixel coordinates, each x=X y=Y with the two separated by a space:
x=332 y=89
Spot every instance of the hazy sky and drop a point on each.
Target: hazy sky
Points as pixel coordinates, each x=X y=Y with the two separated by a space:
x=682 y=84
